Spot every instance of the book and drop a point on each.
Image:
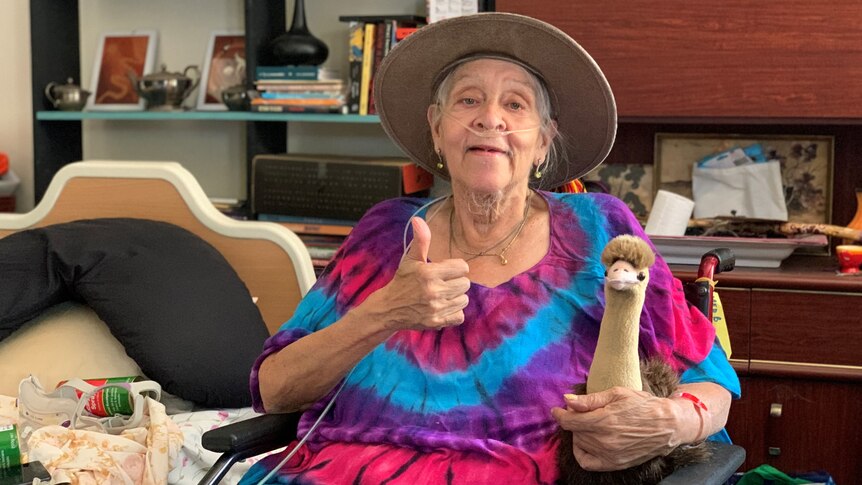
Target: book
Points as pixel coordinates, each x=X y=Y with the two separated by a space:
x=280 y=108
x=318 y=101
x=380 y=47
x=298 y=226
x=266 y=216
x=308 y=73
x=367 y=62
x=299 y=73
x=330 y=229
x=356 y=33
x=406 y=19
x=402 y=32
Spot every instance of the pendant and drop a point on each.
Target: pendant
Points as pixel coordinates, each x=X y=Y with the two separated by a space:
x=503 y=259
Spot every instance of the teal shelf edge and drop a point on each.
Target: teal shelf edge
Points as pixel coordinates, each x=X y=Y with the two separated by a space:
x=202 y=116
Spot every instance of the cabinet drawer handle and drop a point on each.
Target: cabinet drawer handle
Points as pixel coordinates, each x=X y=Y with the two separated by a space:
x=774 y=451
x=775 y=411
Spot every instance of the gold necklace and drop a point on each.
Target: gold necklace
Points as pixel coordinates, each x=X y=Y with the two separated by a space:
x=502 y=254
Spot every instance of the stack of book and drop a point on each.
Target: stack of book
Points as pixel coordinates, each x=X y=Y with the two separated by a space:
x=233 y=208
x=298 y=89
x=370 y=39
x=322 y=237
x=321 y=248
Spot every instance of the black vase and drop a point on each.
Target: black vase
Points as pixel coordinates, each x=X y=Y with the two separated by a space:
x=297 y=45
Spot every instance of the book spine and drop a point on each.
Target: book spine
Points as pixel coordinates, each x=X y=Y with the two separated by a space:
x=389 y=39
x=331 y=102
x=379 y=50
x=287 y=72
x=284 y=108
x=356 y=34
x=327 y=229
x=403 y=32
x=305 y=219
x=301 y=95
x=367 y=62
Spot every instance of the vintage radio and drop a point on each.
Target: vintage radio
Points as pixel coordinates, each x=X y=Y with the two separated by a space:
x=329 y=186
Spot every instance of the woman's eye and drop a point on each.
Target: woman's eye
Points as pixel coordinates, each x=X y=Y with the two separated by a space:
x=514 y=105
x=468 y=101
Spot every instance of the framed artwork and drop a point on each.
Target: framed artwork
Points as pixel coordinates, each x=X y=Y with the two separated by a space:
x=806 y=166
x=631 y=183
x=118 y=55
x=224 y=66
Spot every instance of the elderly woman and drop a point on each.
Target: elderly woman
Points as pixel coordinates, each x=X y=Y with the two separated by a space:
x=447 y=359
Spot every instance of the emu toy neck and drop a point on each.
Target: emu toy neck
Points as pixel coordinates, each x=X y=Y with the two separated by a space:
x=616 y=361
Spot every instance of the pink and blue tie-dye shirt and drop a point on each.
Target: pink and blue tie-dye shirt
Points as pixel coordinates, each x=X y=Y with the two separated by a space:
x=471 y=404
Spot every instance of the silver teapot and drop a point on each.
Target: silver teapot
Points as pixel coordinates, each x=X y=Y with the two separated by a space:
x=66 y=97
x=166 y=90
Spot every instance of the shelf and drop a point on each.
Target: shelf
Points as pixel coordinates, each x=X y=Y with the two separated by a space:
x=202 y=115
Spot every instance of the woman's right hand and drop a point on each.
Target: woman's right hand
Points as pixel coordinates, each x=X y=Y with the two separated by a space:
x=424 y=295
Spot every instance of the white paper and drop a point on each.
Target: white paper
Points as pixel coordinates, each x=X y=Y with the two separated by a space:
x=444 y=9
x=753 y=190
x=669 y=214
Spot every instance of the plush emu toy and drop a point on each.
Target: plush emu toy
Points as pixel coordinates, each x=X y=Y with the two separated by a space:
x=616 y=363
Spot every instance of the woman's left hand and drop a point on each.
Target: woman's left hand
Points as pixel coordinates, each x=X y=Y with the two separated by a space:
x=619 y=428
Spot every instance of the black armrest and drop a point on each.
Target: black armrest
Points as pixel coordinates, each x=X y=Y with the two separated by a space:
x=725 y=460
x=244 y=439
x=269 y=432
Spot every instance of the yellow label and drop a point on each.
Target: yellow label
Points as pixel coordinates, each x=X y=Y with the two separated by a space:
x=720 y=324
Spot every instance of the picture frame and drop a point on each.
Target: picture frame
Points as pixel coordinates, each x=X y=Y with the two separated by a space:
x=631 y=183
x=118 y=54
x=224 y=66
x=806 y=166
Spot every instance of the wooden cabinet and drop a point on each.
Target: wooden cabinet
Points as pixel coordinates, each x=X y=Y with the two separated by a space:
x=796 y=334
x=800 y=425
x=719 y=58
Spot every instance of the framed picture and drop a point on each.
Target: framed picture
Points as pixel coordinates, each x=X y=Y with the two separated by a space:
x=806 y=166
x=224 y=66
x=118 y=55
x=631 y=183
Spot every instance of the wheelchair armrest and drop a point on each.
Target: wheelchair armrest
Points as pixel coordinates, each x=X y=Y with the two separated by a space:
x=244 y=439
x=725 y=460
x=263 y=433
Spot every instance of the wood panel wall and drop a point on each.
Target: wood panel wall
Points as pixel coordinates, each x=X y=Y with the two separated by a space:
x=719 y=58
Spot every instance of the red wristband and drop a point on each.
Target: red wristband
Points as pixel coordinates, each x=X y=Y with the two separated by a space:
x=691 y=397
x=698 y=406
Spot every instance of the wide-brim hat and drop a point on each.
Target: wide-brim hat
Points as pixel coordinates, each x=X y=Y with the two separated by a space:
x=581 y=98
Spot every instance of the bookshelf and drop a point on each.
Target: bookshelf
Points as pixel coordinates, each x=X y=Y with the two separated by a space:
x=203 y=116
x=57 y=135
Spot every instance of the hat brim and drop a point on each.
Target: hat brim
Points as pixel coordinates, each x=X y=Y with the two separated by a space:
x=581 y=98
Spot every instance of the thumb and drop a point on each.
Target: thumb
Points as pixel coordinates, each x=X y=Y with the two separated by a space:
x=421 y=240
x=589 y=402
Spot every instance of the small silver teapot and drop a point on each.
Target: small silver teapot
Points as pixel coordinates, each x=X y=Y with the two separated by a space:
x=166 y=90
x=66 y=97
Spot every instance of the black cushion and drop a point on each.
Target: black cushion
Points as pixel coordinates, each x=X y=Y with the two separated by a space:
x=168 y=296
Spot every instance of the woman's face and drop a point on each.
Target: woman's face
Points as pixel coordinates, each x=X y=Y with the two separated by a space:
x=489 y=96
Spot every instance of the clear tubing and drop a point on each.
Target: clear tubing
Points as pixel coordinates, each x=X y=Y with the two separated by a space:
x=488 y=133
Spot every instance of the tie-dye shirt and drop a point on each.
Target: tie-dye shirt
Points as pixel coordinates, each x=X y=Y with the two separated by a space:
x=471 y=404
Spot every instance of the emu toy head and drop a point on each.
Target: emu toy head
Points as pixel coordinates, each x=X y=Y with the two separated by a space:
x=627 y=259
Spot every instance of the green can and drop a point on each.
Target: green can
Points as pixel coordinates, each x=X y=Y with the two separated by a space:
x=111 y=400
x=10 y=450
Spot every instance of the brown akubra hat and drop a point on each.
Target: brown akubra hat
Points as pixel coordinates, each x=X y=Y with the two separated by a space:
x=582 y=101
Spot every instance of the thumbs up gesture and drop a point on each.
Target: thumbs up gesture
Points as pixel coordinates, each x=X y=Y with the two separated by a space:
x=424 y=295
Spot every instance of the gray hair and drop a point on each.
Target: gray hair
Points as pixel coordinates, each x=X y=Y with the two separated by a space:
x=543 y=105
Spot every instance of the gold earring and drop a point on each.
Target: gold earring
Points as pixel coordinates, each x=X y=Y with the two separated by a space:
x=538 y=173
x=439 y=160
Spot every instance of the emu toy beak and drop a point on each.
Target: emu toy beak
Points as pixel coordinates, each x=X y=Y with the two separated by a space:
x=622 y=281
